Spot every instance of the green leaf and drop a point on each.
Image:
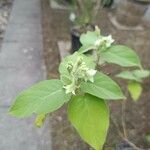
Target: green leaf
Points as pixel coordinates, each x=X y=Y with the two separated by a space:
x=42 y=98
x=39 y=121
x=90 y=116
x=135 y=90
x=121 y=55
x=135 y=75
x=103 y=87
x=141 y=73
x=128 y=75
x=72 y=59
x=87 y=48
x=88 y=38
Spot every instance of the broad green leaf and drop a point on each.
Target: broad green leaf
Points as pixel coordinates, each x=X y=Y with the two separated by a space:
x=39 y=121
x=88 y=38
x=90 y=116
x=136 y=75
x=141 y=73
x=121 y=55
x=87 y=48
x=135 y=90
x=103 y=87
x=42 y=98
x=128 y=75
x=72 y=59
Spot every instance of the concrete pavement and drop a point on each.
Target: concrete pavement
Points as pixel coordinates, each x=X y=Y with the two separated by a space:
x=21 y=65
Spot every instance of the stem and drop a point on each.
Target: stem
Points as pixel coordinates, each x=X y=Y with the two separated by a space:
x=123 y=118
x=80 y=5
x=131 y=144
x=98 y=58
x=117 y=127
x=96 y=8
x=122 y=136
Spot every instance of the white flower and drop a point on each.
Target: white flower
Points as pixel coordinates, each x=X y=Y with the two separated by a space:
x=77 y=74
x=108 y=40
x=90 y=74
x=70 y=88
x=72 y=17
x=104 y=41
x=98 y=42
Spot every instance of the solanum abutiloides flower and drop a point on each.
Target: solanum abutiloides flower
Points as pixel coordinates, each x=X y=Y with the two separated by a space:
x=104 y=41
x=78 y=72
x=72 y=17
x=70 y=88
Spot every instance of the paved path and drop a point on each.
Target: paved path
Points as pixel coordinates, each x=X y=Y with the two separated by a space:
x=21 y=65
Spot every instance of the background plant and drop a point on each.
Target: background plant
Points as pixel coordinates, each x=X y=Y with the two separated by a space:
x=84 y=12
x=85 y=88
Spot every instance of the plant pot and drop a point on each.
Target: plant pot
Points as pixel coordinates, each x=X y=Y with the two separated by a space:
x=75 y=41
x=107 y=3
x=124 y=146
x=75 y=36
x=130 y=12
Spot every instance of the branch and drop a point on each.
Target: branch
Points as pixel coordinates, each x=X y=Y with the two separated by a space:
x=123 y=118
x=80 y=5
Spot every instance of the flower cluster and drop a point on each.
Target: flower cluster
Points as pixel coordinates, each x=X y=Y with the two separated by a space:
x=78 y=72
x=104 y=41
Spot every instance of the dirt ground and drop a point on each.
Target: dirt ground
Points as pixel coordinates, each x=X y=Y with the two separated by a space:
x=56 y=27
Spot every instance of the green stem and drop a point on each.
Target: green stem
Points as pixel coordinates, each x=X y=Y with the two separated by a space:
x=98 y=58
x=123 y=118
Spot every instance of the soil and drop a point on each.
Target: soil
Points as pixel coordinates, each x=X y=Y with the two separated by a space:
x=57 y=27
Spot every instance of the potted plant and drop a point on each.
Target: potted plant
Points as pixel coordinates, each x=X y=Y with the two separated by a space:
x=85 y=88
x=83 y=14
x=130 y=12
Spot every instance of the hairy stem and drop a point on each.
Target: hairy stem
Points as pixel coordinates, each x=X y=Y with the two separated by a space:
x=116 y=127
x=122 y=134
x=131 y=144
x=123 y=118
x=80 y=5
x=96 y=8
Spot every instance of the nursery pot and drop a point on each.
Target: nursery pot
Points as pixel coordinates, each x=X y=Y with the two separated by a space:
x=75 y=41
x=125 y=146
x=130 y=12
x=107 y=3
x=75 y=36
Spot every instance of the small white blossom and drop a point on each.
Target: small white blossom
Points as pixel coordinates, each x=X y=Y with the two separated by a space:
x=108 y=40
x=70 y=88
x=98 y=42
x=90 y=74
x=104 y=41
x=72 y=17
x=78 y=73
